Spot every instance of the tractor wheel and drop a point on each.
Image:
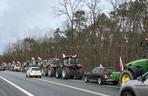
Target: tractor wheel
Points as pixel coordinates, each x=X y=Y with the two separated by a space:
x=86 y=79
x=126 y=76
x=58 y=73
x=50 y=72
x=45 y=72
x=79 y=74
x=65 y=73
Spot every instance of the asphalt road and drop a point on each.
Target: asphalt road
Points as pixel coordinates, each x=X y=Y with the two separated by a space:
x=16 y=84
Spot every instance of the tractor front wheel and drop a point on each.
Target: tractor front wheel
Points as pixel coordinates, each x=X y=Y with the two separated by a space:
x=50 y=72
x=65 y=73
x=58 y=73
x=45 y=72
x=126 y=76
x=79 y=74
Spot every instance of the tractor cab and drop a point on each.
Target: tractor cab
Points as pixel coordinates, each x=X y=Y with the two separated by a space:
x=54 y=62
x=71 y=61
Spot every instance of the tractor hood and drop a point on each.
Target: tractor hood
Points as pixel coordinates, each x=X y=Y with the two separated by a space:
x=140 y=63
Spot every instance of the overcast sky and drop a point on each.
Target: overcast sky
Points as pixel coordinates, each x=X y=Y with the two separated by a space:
x=23 y=18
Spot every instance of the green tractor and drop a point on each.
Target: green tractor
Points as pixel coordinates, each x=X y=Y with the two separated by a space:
x=69 y=68
x=131 y=71
x=43 y=64
x=51 y=66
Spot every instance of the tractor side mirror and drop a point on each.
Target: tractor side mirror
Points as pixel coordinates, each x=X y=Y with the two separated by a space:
x=140 y=78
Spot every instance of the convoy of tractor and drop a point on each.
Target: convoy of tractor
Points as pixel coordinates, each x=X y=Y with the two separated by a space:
x=69 y=67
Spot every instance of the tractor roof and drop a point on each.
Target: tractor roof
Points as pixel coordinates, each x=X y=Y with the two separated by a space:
x=70 y=56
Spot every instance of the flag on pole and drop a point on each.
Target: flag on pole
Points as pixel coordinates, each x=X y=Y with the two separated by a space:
x=101 y=66
x=18 y=62
x=13 y=62
x=39 y=58
x=121 y=64
x=64 y=55
x=32 y=58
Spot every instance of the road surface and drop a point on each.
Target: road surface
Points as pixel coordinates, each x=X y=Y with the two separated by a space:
x=16 y=84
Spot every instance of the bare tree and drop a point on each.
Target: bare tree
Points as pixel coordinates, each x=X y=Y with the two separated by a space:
x=69 y=8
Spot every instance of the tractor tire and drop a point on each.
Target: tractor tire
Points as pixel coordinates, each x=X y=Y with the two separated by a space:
x=45 y=72
x=58 y=73
x=126 y=76
x=79 y=74
x=65 y=73
x=50 y=72
x=86 y=79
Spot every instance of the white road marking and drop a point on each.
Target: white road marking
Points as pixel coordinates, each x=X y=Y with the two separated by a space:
x=112 y=86
x=76 y=88
x=21 y=89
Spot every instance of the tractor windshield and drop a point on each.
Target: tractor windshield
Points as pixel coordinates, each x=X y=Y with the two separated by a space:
x=70 y=60
x=56 y=61
x=74 y=60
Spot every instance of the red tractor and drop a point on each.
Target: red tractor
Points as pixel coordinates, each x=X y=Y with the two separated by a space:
x=52 y=66
x=49 y=67
x=70 y=68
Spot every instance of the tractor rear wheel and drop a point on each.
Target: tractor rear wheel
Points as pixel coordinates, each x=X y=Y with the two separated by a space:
x=58 y=73
x=45 y=72
x=126 y=76
x=50 y=72
x=65 y=73
x=86 y=79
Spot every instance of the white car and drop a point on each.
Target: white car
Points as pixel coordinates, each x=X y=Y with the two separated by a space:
x=137 y=87
x=34 y=72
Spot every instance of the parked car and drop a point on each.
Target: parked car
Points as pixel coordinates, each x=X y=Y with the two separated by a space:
x=100 y=75
x=33 y=72
x=2 y=68
x=17 y=67
x=137 y=87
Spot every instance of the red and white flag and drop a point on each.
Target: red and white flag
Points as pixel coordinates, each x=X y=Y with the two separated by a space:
x=64 y=55
x=18 y=62
x=121 y=64
x=33 y=58
x=101 y=66
x=13 y=62
x=39 y=58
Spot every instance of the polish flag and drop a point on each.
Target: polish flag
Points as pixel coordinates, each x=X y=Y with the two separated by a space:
x=101 y=66
x=18 y=62
x=39 y=58
x=32 y=58
x=64 y=55
x=121 y=65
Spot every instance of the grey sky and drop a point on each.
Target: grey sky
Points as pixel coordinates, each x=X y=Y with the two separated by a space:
x=22 y=18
